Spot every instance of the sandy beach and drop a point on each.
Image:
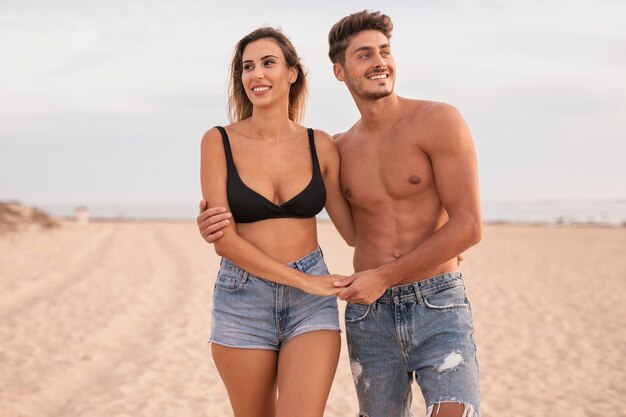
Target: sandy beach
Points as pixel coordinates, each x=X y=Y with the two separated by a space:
x=112 y=319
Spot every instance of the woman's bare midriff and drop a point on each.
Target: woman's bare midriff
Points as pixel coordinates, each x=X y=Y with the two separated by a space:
x=284 y=240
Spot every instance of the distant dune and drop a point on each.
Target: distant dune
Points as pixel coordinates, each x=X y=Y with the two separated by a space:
x=14 y=216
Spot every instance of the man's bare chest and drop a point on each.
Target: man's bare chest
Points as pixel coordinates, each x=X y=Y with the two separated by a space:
x=384 y=172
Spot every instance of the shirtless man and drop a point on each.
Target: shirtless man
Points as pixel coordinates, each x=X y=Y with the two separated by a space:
x=409 y=171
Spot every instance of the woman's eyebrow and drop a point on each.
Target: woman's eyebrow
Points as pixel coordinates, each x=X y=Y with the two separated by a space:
x=265 y=57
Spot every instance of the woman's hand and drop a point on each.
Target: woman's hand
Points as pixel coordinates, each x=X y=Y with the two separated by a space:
x=322 y=284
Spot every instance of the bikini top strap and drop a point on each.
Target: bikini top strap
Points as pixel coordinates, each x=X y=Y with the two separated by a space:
x=230 y=163
x=316 y=163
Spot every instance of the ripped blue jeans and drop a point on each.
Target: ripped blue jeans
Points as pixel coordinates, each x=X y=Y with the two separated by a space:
x=421 y=330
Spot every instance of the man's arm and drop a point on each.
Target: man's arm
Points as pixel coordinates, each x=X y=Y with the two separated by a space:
x=336 y=205
x=453 y=158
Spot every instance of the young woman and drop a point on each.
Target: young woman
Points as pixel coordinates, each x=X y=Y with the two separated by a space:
x=275 y=330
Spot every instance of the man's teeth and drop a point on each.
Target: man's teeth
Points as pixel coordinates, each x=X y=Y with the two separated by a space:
x=259 y=89
x=377 y=76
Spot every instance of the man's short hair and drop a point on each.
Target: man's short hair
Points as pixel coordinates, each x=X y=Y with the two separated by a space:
x=341 y=33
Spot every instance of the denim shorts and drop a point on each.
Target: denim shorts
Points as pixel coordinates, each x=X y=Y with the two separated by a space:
x=421 y=330
x=254 y=313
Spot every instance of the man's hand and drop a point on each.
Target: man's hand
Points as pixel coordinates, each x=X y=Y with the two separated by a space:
x=211 y=220
x=362 y=287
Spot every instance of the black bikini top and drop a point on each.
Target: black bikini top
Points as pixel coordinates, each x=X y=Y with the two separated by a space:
x=248 y=206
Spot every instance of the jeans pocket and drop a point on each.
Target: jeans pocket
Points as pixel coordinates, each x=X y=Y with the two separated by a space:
x=356 y=312
x=449 y=296
x=228 y=280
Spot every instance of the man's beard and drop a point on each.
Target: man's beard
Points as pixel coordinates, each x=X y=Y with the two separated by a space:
x=360 y=91
x=376 y=96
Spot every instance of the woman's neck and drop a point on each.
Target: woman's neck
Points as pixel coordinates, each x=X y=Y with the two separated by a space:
x=271 y=124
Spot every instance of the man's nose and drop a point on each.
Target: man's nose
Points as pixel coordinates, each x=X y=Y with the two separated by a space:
x=379 y=61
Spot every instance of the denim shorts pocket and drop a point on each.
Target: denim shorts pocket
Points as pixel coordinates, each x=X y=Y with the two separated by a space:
x=228 y=280
x=451 y=295
x=356 y=312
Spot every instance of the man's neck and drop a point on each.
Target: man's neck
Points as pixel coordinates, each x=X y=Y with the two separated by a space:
x=379 y=114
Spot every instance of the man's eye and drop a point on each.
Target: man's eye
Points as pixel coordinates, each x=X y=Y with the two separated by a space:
x=364 y=56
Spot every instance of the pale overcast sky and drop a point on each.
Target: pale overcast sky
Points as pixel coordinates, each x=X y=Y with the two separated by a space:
x=105 y=102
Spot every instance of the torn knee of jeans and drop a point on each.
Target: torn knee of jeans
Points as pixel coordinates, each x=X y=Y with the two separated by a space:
x=450 y=362
x=468 y=409
x=357 y=373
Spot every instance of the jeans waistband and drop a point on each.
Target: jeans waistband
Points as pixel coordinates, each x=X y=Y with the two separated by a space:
x=301 y=264
x=416 y=291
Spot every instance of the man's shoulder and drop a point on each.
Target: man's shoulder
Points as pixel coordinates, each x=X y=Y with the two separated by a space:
x=441 y=125
x=427 y=112
x=341 y=138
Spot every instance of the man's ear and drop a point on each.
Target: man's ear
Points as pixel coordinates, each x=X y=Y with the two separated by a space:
x=339 y=72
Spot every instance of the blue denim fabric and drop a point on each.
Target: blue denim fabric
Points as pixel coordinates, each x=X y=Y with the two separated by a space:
x=253 y=313
x=421 y=330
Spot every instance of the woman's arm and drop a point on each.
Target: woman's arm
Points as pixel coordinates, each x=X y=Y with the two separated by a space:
x=213 y=177
x=337 y=206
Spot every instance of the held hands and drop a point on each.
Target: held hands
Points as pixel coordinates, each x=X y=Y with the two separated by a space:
x=211 y=221
x=322 y=284
x=363 y=287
